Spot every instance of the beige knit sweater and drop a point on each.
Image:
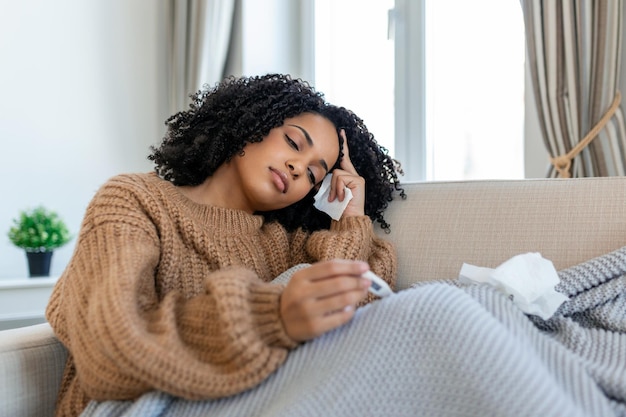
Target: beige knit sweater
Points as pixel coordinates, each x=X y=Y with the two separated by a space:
x=166 y=294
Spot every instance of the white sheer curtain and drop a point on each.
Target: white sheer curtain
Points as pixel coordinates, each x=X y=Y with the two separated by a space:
x=574 y=52
x=199 y=35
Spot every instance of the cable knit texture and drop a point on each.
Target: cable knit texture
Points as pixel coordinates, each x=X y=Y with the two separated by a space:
x=166 y=294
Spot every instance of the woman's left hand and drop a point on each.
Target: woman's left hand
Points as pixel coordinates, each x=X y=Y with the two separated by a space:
x=347 y=176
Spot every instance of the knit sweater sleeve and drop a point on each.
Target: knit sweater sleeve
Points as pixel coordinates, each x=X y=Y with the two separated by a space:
x=125 y=339
x=352 y=238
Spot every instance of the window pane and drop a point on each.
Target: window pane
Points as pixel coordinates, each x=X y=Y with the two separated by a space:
x=474 y=79
x=354 y=61
x=475 y=89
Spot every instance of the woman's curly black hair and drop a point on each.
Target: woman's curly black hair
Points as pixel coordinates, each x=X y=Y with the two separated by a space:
x=222 y=119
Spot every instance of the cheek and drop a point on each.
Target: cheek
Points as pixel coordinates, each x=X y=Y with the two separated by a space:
x=300 y=192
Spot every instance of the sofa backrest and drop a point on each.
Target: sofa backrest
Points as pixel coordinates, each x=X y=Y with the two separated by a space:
x=441 y=225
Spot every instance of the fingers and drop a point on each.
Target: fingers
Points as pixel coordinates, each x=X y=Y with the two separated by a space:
x=330 y=287
x=322 y=297
x=326 y=278
x=343 y=179
x=346 y=163
x=346 y=175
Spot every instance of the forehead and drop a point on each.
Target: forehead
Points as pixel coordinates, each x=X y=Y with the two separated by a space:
x=322 y=132
x=312 y=120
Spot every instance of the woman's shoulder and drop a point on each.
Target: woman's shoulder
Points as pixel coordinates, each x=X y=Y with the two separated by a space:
x=126 y=200
x=129 y=187
x=133 y=183
x=139 y=179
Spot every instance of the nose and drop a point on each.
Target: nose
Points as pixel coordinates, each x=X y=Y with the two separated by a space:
x=295 y=168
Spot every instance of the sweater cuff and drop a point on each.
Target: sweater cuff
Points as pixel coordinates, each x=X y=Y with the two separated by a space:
x=265 y=309
x=352 y=223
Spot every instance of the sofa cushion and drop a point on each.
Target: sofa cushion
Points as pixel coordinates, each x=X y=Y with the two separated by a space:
x=31 y=366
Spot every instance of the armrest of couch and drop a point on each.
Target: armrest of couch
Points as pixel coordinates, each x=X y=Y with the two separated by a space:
x=31 y=367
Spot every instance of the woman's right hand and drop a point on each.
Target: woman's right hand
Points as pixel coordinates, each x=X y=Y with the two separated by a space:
x=322 y=297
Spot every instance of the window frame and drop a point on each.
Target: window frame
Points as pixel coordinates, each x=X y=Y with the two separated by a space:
x=407 y=20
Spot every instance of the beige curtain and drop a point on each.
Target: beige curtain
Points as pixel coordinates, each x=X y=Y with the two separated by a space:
x=573 y=48
x=199 y=35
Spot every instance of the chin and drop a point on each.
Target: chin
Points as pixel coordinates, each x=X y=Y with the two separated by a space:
x=274 y=207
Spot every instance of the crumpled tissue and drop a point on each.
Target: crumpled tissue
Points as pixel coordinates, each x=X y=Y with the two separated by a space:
x=528 y=279
x=333 y=208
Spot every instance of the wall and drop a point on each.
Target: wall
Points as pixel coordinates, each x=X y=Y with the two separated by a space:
x=83 y=97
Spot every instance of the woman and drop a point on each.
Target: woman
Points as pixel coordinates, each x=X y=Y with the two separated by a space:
x=169 y=288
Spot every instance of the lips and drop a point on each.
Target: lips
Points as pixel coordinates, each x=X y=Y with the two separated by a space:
x=280 y=180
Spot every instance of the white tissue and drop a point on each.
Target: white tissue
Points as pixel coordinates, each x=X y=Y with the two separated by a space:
x=528 y=279
x=333 y=208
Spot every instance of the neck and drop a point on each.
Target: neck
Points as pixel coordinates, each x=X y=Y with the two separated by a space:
x=218 y=190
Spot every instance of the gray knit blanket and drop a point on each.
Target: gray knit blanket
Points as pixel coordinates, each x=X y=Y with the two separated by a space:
x=446 y=349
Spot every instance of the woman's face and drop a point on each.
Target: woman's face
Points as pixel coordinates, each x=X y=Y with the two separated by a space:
x=292 y=159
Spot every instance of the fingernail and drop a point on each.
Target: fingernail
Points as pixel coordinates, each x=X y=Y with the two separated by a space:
x=348 y=308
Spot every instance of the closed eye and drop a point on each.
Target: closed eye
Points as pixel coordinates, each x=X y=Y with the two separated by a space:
x=292 y=143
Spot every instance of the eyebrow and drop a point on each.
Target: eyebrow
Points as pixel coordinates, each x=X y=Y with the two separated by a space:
x=310 y=142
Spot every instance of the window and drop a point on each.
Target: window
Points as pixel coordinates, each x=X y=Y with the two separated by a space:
x=465 y=115
x=354 y=61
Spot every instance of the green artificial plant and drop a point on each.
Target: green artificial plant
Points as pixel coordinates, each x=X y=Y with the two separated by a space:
x=39 y=230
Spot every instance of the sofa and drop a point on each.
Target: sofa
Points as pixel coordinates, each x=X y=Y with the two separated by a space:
x=437 y=228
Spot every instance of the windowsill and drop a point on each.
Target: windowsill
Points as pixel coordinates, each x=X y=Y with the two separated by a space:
x=27 y=282
x=23 y=301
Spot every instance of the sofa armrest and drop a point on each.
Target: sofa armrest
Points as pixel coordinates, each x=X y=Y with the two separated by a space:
x=32 y=361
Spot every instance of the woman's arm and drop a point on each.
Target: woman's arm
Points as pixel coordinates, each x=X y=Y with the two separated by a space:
x=323 y=296
x=125 y=338
x=354 y=238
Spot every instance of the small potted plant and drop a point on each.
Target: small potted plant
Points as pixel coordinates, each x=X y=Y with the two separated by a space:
x=39 y=232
